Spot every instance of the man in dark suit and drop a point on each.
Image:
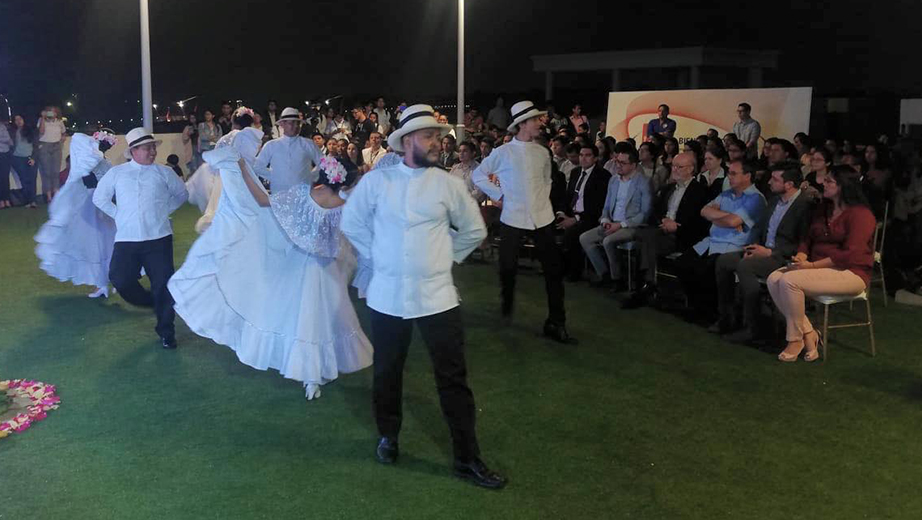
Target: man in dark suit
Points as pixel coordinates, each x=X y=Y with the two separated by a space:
x=676 y=223
x=586 y=193
x=780 y=232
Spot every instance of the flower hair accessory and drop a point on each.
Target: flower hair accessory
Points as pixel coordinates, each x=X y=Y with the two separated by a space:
x=103 y=136
x=333 y=169
x=243 y=110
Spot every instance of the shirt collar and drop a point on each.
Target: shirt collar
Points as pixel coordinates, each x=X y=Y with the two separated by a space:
x=783 y=202
x=680 y=184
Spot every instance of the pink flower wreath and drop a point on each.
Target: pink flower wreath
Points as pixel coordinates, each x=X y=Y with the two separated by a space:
x=23 y=402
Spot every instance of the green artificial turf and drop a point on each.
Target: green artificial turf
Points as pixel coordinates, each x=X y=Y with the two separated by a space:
x=648 y=417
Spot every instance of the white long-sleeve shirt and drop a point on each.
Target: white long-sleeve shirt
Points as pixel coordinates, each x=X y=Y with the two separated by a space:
x=400 y=218
x=288 y=161
x=144 y=198
x=524 y=172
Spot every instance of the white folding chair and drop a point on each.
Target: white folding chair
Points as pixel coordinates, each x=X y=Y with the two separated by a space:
x=826 y=301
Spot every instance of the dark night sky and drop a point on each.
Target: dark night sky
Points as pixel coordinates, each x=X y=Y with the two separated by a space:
x=406 y=48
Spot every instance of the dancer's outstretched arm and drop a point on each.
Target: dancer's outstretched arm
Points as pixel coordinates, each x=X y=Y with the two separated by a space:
x=261 y=198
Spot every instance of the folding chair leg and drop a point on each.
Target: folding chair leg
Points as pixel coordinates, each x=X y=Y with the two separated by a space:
x=825 y=330
x=871 y=328
x=883 y=283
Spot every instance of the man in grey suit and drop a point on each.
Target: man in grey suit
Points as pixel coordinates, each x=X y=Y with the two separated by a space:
x=780 y=232
x=627 y=207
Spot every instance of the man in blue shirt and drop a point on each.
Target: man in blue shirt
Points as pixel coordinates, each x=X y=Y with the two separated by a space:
x=661 y=125
x=733 y=215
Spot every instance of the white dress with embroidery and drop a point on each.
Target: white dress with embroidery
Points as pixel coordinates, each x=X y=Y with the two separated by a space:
x=76 y=243
x=271 y=283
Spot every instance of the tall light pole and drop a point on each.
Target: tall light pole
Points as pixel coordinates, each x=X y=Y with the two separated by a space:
x=147 y=103
x=460 y=125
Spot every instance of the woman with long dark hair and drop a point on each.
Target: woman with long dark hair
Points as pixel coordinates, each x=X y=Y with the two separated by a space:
x=23 y=161
x=877 y=177
x=714 y=175
x=834 y=259
x=820 y=162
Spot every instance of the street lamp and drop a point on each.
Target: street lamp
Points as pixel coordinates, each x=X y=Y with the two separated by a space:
x=146 y=94
x=460 y=124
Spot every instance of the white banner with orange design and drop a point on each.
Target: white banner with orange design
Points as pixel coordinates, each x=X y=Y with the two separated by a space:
x=782 y=112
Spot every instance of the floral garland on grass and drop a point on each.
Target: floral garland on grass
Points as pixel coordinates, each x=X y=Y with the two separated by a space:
x=23 y=402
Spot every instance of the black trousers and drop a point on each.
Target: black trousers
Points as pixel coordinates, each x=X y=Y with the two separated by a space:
x=732 y=265
x=696 y=273
x=575 y=257
x=551 y=263
x=156 y=257
x=444 y=337
x=654 y=243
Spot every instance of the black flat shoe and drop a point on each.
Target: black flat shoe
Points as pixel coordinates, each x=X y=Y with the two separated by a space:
x=479 y=474
x=558 y=333
x=168 y=343
x=387 y=450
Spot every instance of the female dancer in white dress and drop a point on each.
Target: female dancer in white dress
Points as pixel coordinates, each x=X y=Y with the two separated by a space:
x=76 y=243
x=268 y=278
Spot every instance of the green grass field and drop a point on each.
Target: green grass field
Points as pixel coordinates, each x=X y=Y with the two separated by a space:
x=648 y=417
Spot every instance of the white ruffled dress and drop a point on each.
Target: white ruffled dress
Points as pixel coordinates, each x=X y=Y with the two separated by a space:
x=76 y=243
x=271 y=283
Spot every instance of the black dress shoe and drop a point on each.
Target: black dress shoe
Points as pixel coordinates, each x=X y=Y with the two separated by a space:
x=168 y=343
x=557 y=333
x=478 y=473
x=640 y=298
x=387 y=450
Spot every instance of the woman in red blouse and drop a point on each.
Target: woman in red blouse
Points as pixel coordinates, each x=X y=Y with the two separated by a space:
x=835 y=259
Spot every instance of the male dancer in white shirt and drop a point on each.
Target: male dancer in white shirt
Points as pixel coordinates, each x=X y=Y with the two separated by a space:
x=145 y=195
x=290 y=159
x=400 y=217
x=523 y=168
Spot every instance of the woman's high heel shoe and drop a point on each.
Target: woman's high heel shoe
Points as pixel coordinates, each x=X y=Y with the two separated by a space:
x=790 y=358
x=812 y=347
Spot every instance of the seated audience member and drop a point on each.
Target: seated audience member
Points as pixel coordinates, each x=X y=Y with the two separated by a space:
x=670 y=150
x=712 y=133
x=676 y=223
x=732 y=215
x=781 y=230
x=583 y=128
x=465 y=167
x=877 y=178
x=702 y=140
x=736 y=150
x=601 y=133
x=572 y=162
x=559 y=149
x=607 y=153
x=487 y=144
x=695 y=148
x=448 y=157
x=649 y=165
x=731 y=138
x=586 y=191
x=627 y=207
x=820 y=162
x=835 y=259
x=714 y=174
x=781 y=150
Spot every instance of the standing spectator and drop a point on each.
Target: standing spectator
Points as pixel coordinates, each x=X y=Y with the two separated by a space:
x=747 y=129
x=373 y=117
x=191 y=132
x=51 y=133
x=319 y=142
x=6 y=154
x=270 y=123
x=354 y=162
x=374 y=152
x=22 y=160
x=572 y=163
x=443 y=120
x=384 y=116
x=556 y=121
x=662 y=125
x=498 y=115
x=227 y=118
x=577 y=118
x=477 y=122
x=448 y=156
x=209 y=132
x=338 y=128
x=363 y=126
